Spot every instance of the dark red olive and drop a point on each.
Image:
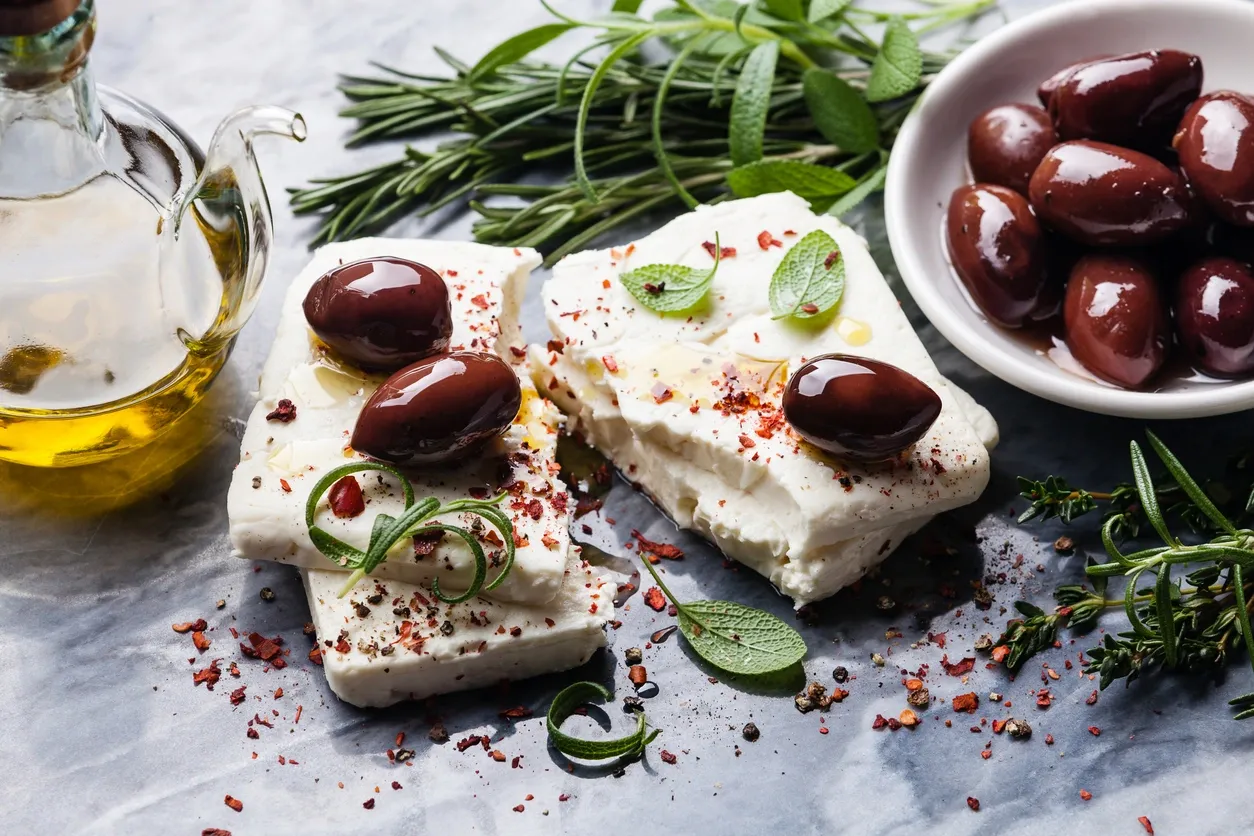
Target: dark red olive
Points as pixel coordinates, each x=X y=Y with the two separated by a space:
x=1047 y=87
x=1134 y=99
x=1006 y=144
x=439 y=409
x=1215 y=145
x=381 y=313
x=1215 y=316
x=1103 y=195
x=997 y=249
x=857 y=408
x=1115 y=319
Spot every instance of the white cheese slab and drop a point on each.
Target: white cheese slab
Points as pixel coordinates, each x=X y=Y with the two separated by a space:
x=280 y=462
x=406 y=645
x=809 y=522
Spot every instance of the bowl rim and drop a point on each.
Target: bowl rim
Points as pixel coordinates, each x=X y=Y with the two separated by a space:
x=1058 y=387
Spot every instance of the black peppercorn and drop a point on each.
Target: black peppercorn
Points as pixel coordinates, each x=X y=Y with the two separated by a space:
x=841 y=674
x=750 y=732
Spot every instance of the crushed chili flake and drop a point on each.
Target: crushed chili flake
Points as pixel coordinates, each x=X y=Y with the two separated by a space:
x=479 y=301
x=1086 y=795
x=973 y=803
x=667 y=757
x=368 y=804
x=810 y=308
x=426 y=541
x=299 y=709
x=986 y=754
x=237 y=696
x=518 y=808
x=234 y=803
x=663 y=550
x=655 y=599
x=968 y=702
x=1095 y=731
x=1091 y=699
x=287 y=488
x=999 y=726
x=189 y=626
x=519 y=712
x=611 y=365
x=1044 y=699
x=284 y=412
x=1000 y=653
x=832 y=258
x=202 y=643
x=766 y=240
x=959 y=668
x=498 y=756
x=879 y=722
x=661 y=392
x=346 y=499
x=215 y=831
x=315 y=655
x=1145 y=822
x=209 y=675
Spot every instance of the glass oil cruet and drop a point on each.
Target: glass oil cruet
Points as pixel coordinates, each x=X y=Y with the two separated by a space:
x=129 y=259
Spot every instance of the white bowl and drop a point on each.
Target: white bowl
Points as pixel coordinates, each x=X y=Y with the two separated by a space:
x=929 y=162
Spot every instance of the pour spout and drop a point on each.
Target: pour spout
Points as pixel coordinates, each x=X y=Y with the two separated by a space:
x=228 y=203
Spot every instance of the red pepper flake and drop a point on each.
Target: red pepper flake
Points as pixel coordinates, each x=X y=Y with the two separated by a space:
x=1000 y=653
x=667 y=757
x=1095 y=731
x=1049 y=740
x=655 y=599
x=299 y=709
x=985 y=754
x=832 y=258
x=345 y=498
x=209 y=675
x=654 y=289
x=968 y=702
x=1043 y=698
x=661 y=392
x=278 y=693
x=498 y=756
x=287 y=488
x=368 y=804
x=960 y=668
x=234 y=803
x=973 y=803
x=215 y=831
x=426 y=541
x=466 y=743
x=638 y=675
x=563 y=797
x=519 y=712
x=262 y=647
x=723 y=252
x=202 y=643
x=999 y=726
x=479 y=301
x=188 y=626
x=611 y=365
x=519 y=808
x=315 y=655
x=1145 y=822
x=1086 y=795
x=810 y=308
x=237 y=696
x=766 y=240
x=252 y=735
x=822 y=729
x=879 y=722
x=284 y=412
x=664 y=550
x=1091 y=699
x=517 y=352
x=747 y=442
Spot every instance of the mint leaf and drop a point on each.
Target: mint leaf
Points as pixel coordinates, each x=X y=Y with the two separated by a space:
x=818 y=184
x=823 y=9
x=564 y=705
x=735 y=638
x=867 y=186
x=671 y=288
x=518 y=47
x=839 y=112
x=747 y=123
x=785 y=9
x=810 y=280
x=627 y=6
x=898 y=66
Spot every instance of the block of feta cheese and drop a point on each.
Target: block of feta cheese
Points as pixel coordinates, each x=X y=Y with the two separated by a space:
x=281 y=460
x=688 y=406
x=408 y=645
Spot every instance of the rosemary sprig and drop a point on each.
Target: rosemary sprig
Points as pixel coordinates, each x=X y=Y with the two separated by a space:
x=387 y=531
x=564 y=705
x=1190 y=624
x=675 y=104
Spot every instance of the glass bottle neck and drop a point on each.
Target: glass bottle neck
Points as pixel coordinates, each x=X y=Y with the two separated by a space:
x=51 y=124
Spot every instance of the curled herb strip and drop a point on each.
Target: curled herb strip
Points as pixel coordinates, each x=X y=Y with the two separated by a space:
x=564 y=705
x=387 y=531
x=671 y=288
x=736 y=638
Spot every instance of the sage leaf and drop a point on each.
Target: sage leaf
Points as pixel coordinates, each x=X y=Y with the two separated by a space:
x=735 y=638
x=818 y=184
x=785 y=9
x=752 y=99
x=810 y=280
x=821 y=10
x=867 y=186
x=839 y=112
x=518 y=47
x=565 y=703
x=671 y=288
x=898 y=67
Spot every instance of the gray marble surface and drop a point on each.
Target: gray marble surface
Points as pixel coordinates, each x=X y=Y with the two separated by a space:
x=103 y=731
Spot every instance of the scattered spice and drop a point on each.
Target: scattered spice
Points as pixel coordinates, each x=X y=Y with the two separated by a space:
x=189 y=626
x=973 y=803
x=368 y=804
x=284 y=412
x=267 y=594
x=750 y=732
x=234 y=803
x=1145 y=822
x=968 y=702
x=1086 y=795
x=345 y=498
x=633 y=655
x=667 y=757
x=840 y=674
x=202 y=643
x=662 y=550
x=1018 y=728
x=1095 y=731
x=908 y=718
x=655 y=599
x=960 y=668
x=638 y=675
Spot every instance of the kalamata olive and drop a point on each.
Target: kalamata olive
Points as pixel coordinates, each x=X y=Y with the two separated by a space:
x=1006 y=144
x=1115 y=319
x=1215 y=144
x=1047 y=87
x=438 y=409
x=1103 y=195
x=1135 y=99
x=381 y=313
x=1215 y=316
x=857 y=408
x=996 y=247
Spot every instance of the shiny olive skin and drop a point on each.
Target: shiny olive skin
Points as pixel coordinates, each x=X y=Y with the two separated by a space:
x=438 y=410
x=1215 y=145
x=1115 y=319
x=997 y=249
x=381 y=313
x=1103 y=195
x=1047 y=87
x=1135 y=99
x=858 y=409
x=1215 y=316
x=1006 y=143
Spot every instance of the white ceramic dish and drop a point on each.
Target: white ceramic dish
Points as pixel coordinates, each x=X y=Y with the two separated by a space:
x=929 y=162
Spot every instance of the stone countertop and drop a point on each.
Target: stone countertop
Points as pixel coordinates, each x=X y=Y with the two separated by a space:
x=104 y=731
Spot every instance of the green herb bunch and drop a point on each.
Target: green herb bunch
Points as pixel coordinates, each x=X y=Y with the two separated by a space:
x=1190 y=623
x=703 y=99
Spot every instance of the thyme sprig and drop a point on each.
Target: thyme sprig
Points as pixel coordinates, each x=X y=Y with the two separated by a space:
x=673 y=105
x=1192 y=623
x=387 y=531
